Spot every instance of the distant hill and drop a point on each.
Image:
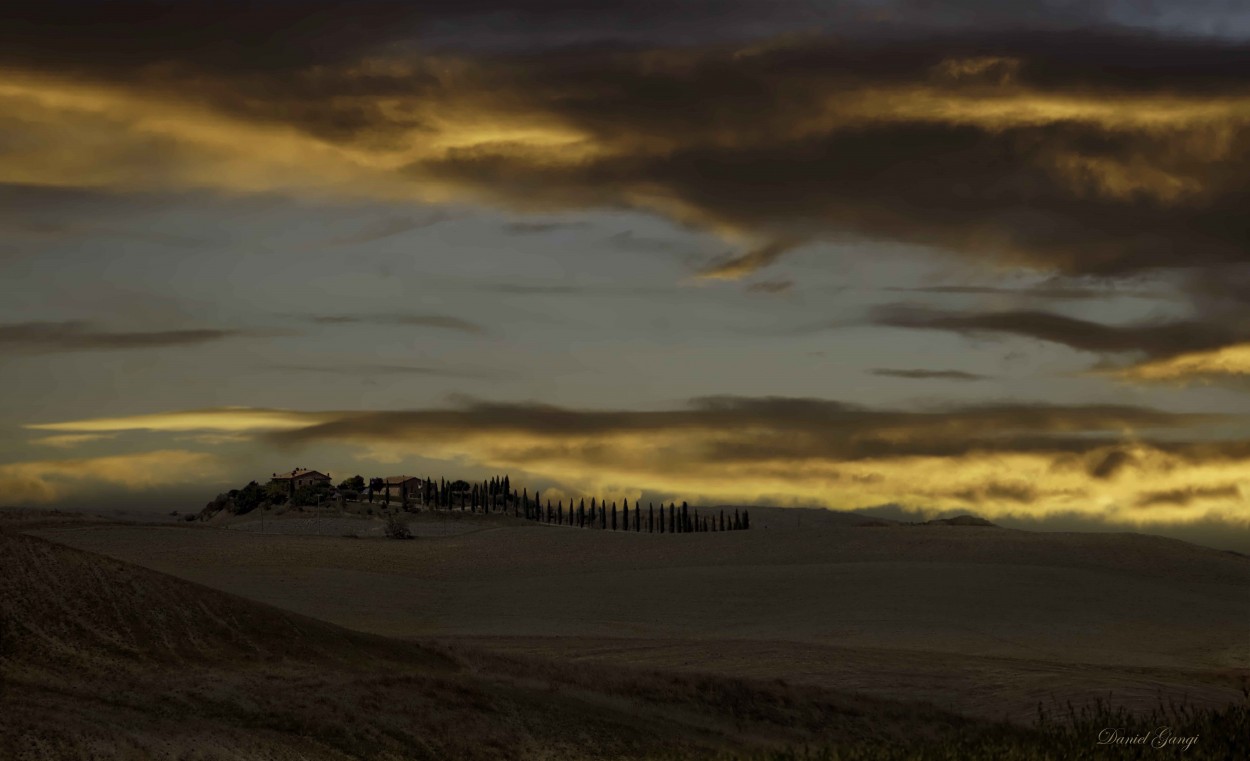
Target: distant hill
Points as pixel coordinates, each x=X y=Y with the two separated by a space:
x=961 y=520
x=774 y=518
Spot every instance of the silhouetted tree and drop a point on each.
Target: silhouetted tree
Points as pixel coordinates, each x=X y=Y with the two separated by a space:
x=355 y=483
x=746 y=519
x=672 y=518
x=685 y=518
x=637 y=518
x=650 y=517
x=614 y=516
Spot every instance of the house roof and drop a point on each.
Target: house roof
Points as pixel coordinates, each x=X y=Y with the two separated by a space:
x=301 y=473
x=401 y=479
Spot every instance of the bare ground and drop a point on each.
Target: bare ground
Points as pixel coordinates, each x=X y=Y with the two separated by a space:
x=985 y=621
x=104 y=659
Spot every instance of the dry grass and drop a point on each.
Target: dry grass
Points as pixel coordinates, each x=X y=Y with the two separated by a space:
x=103 y=659
x=107 y=660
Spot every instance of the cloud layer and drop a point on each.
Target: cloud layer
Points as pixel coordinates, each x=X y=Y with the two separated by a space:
x=1121 y=464
x=1095 y=151
x=44 y=337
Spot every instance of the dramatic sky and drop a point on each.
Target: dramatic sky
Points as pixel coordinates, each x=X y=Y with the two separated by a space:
x=974 y=256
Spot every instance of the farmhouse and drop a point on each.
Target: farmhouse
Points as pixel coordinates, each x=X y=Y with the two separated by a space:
x=407 y=487
x=299 y=478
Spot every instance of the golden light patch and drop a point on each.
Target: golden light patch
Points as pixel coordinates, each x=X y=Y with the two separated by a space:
x=230 y=419
x=1227 y=361
x=71 y=440
x=49 y=480
x=1022 y=485
x=999 y=70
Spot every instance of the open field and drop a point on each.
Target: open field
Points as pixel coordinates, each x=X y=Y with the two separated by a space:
x=108 y=660
x=984 y=621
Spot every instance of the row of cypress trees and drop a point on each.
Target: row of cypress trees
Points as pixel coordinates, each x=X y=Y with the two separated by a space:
x=496 y=495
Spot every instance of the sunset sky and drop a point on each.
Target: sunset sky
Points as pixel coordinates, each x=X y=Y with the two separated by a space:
x=928 y=257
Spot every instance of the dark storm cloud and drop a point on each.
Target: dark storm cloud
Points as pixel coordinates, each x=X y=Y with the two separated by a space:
x=1106 y=194
x=778 y=427
x=48 y=337
x=1158 y=339
x=1110 y=464
x=958 y=375
x=1088 y=150
x=441 y=321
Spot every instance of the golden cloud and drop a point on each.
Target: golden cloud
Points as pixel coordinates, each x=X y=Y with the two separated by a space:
x=1225 y=361
x=71 y=440
x=1124 y=465
x=1118 y=168
x=49 y=480
x=228 y=419
x=1021 y=460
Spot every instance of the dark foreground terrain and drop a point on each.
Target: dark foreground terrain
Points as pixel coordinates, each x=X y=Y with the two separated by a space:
x=103 y=659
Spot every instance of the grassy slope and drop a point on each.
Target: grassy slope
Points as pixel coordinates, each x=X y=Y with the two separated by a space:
x=102 y=659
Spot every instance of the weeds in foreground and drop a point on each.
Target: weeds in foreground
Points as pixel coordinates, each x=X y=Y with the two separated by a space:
x=1097 y=731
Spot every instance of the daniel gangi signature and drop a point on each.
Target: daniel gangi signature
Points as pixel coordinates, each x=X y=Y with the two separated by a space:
x=1163 y=737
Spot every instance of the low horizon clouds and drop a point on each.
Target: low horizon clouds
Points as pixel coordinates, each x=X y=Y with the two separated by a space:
x=1033 y=459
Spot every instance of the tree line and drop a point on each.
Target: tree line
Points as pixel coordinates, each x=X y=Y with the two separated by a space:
x=497 y=495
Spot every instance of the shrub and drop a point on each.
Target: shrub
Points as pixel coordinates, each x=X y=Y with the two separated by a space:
x=397 y=527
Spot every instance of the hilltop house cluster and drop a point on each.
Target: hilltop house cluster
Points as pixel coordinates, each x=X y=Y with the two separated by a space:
x=403 y=487
x=496 y=495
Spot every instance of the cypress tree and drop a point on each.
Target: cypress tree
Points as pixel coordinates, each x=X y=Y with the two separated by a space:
x=650 y=517
x=685 y=518
x=672 y=518
x=746 y=519
x=560 y=512
x=637 y=519
x=581 y=516
x=614 y=516
x=722 y=519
